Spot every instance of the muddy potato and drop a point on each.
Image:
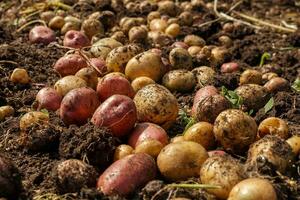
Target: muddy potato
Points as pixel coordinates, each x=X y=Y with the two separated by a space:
x=224 y=171
x=68 y=83
x=251 y=76
x=185 y=18
x=180 y=59
x=229 y=67
x=202 y=133
x=117 y=59
x=141 y=82
x=48 y=98
x=181 y=160
x=75 y=39
x=131 y=22
x=254 y=96
x=156 y=104
x=273 y=126
x=194 y=50
x=102 y=47
x=31 y=118
x=47 y=16
x=20 y=75
x=194 y=40
x=160 y=39
x=173 y=30
x=147 y=64
x=89 y=75
x=269 y=152
x=204 y=75
x=225 y=41
x=168 y=8
x=73 y=20
x=56 y=22
x=277 y=84
x=119 y=36
x=219 y=55
x=159 y=25
x=122 y=151
x=69 y=64
x=179 y=80
x=150 y=147
x=41 y=34
x=294 y=142
x=92 y=27
x=137 y=34
x=178 y=138
x=235 y=130
x=6 y=111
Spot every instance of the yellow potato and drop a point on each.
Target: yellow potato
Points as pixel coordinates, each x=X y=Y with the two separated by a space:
x=273 y=126
x=141 y=82
x=32 y=118
x=102 y=47
x=6 y=111
x=68 y=83
x=150 y=147
x=179 y=80
x=294 y=142
x=89 y=75
x=122 y=151
x=20 y=75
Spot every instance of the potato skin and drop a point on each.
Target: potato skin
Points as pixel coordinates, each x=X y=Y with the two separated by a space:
x=69 y=64
x=180 y=59
x=181 y=160
x=235 y=130
x=76 y=39
x=68 y=83
x=141 y=82
x=41 y=34
x=118 y=113
x=49 y=99
x=127 y=174
x=179 y=80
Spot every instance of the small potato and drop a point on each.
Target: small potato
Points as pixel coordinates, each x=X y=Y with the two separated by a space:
x=159 y=25
x=78 y=105
x=179 y=44
x=140 y=82
x=156 y=104
x=268 y=76
x=41 y=34
x=131 y=22
x=68 y=26
x=76 y=39
x=122 y=151
x=56 y=22
x=160 y=39
x=225 y=41
x=277 y=84
x=235 y=130
x=119 y=36
x=69 y=64
x=229 y=67
x=89 y=75
x=73 y=20
x=180 y=59
x=92 y=27
x=150 y=147
x=251 y=76
x=178 y=138
x=204 y=75
x=185 y=18
x=294 y=142
x=202 y=133
x=102 y=47
x=68 y=83
x=194 y=50
x=49 y=99
x=273 y=126
x=147 y=64
x=118 y=113
x=31 y=118
x=153 y=15
x=194 y=40
x=137 y=34
x=117 y=59
x=168 y=8
x=223 y=171
x=219 y=55
x=20 y=75
x=99 y=65
x=180 y=80
x=173 y=30
x=6 y=111
x=114 y=84
x=47 y=16
x=127 y=174
x=181 y=160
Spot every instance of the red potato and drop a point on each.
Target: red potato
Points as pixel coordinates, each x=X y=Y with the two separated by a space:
x=145 y=131
x=127 y=174
x=100 y=64
x=78 y=105
x=114 y=84
x=216 y=153
x=180 y=45
x=229 y=67
x=76 y=39
x=69 y=64
x=118 y=113
x=49 y=99
x=41 y=34
x=202 y=94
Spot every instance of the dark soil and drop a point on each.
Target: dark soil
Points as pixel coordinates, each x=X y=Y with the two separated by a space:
x=37 y=160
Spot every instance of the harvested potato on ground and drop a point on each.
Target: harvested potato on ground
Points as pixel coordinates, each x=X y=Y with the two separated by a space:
x=31 y=118
x=230 y=67
x=194 y=40
x=137 y=34
x=223 y=171
x=235 y=130
x=122 y=151
x=253 y=189
x=141 y=82
x=273 y=126
x=127 y=174
x=56 y=22
x=204 y=75
x=41 y=34
x=168 y=8
x=6 y=111
x=277 y=84
x=92 y=27
x=150 y=147
x=156 y=104
x=48 y=98
x=178 y=138
x=181 y=160
x=202 y=133
x=20 y=75
x=251 y=76
x=270 y=152
x=180 y=80
x=102 y=47
x=69 y=64
x=68 y=26
x=294 y=142
x=194 y=50
x=173 y=30
x=89 y=75
x=76 y=39
x=180 y=59
x=147 y=64
x=159 y=25
x=219 y=55
x=117 y=59
x=254 y=96
x=130 y=22
x=68 y=83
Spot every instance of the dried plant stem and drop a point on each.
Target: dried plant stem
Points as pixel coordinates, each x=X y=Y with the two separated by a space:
x=195 y=186
x=31 y=22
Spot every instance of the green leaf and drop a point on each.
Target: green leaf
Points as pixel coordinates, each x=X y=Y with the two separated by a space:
x=45 y=111
x=269 y=105
x=296 y=85
x=250 y=112
x=233 y=97
x=265 y=56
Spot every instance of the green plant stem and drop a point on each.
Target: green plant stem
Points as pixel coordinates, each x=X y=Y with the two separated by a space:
x=195 y=186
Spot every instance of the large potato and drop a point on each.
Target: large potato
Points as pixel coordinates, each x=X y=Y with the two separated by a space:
x=102 y=47
x=181 y=160
x=179 y=80
x=156 y=104
x=146 y=64
x=235 y=130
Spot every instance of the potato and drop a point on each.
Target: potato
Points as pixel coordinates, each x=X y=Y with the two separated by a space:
x=56 y=22
x=210 y=107
x=194 y=50
x=223 y=171
x=78 y=105
x=160 y=39
x=117 y=59
x=179 y=44
x=89 y=75
x=47 y=16
x=150 y=147
x=141 y=82
x=253 y=189
x=181 y=160
x=137 y=34
x=156 y=104
x=204 y=75
x=147 y=64
x=277 y=84
x=68 y=83
x=219 y=55
x=294 y=142
x=273 y=126
x=114 y=84
x=268 y=76
x=235 y=130
x=100 y=65
x=194 y=40
x=254 y=96
x=178 y=138
x=48 y=98
x=20 y=76
x=185 y=18
x=118 y=113
x=41 y=34
x=147 y=131
x=76 y=39
x=127 y=174
x=173 y=30
x=153 y=15
x=202 y=133
x=216 y=153
x=180 y=59
x=122 y=151
x=92 y=27
x=131 y=22
x=251 y=76
x=119 y=36
x=68 y=26
x=69 y=64
x=225 y=41
x=168 y=8
x=180 y=80
x=269 y=152
x=6 y=111
x=31 y=118
x=73 y=20
x=102 y=47
x=229 y=67
x=159 y=25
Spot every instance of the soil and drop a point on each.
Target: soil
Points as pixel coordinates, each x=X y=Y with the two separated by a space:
x=36 y=163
